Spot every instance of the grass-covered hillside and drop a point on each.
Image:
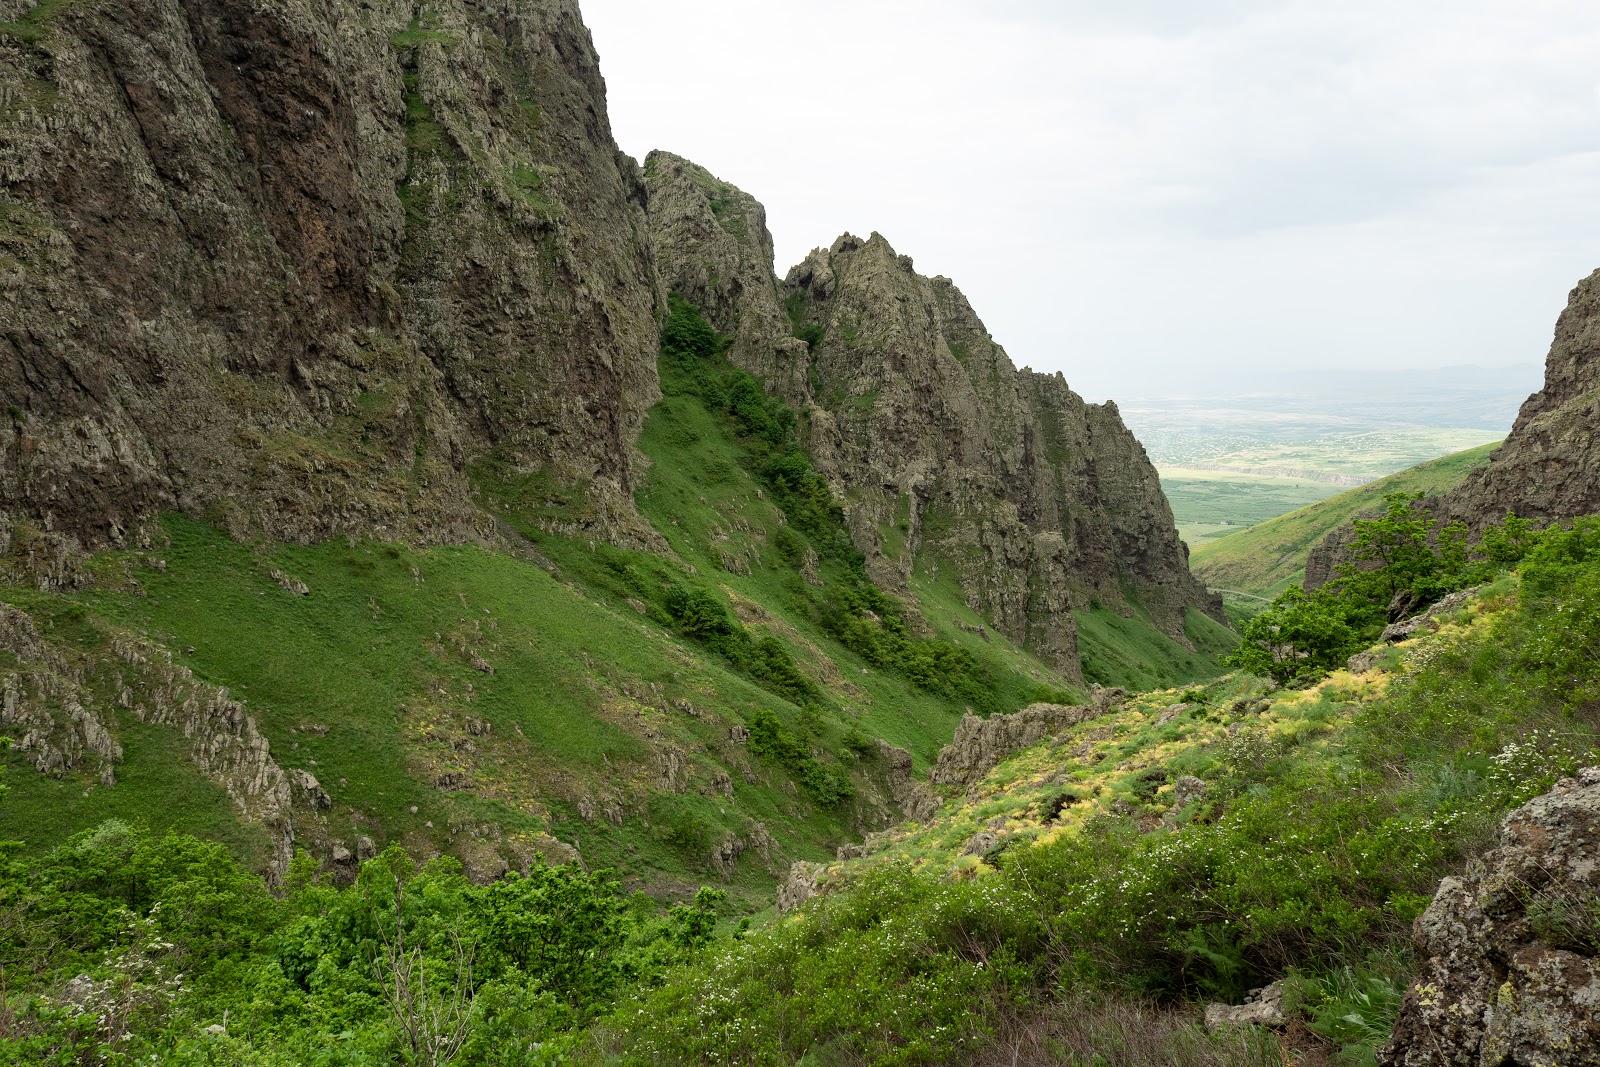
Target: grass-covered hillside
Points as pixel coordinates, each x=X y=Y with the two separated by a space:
x=1271 y=556
x=1079 y=901
x=1213 y=504
x=704 y=708
x=1076 y=903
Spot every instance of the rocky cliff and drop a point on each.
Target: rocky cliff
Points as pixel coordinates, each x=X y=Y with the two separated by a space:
x=1549 y=466
x=946 y=455
x=317 y=272
x=296 y=265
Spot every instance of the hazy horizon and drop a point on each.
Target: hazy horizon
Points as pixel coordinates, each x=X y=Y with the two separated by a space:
x=1129 y=192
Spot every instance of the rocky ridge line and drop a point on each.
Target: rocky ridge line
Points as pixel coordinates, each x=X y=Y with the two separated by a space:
x=944 y=452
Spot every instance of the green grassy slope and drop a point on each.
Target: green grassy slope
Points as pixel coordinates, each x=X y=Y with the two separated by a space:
x=1188 y=846
x=501 y=701
x=1271 y=556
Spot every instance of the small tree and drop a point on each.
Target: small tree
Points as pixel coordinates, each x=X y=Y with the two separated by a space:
x=1508 y=542
x=432 y=1011
x=1300 y=636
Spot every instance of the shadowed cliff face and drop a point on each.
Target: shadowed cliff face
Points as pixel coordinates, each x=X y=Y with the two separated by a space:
x=1549 y=466
x=296 y=265
x=947 y=456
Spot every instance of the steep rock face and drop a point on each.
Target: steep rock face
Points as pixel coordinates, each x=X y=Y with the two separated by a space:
x=713 y=248
x=942 y=450
x=1549 y=466
x=298 y=264
x=1039 y=502
x=1511 y=978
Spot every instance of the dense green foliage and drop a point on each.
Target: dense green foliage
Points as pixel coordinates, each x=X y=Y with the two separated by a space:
x=172 y=937
x=770 y=741
x=1400 y=561
x=1310 y=855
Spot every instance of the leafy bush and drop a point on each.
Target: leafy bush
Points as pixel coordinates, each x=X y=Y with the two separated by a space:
x=1400 y=561
x=769 y=741
x=172 y=936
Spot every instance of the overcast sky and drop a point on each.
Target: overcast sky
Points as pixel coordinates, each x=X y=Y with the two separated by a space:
x=1137 y=193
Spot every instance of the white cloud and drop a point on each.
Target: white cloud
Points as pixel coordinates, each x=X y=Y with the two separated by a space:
x=1126 y=188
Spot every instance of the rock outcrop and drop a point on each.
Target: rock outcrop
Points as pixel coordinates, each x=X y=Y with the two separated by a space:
x=1261 y=1007
x=1428 y=619
x=63 y=706
x=803 y=884
x=980 y=744
x=1038 y=503
x=1549 y=466
x=296 y=265
x=911 y=795
x=1512 y=978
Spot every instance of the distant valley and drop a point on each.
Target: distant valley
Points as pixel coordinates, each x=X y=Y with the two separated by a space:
x=1231 y=459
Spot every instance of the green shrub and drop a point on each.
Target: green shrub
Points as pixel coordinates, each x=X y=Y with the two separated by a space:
x=770 y=742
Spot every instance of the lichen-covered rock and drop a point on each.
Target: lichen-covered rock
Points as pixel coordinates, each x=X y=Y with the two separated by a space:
x=1188 y=789
x=1428 y=618
x=294 y=265
x=804 y=882
x=308 y=790
x=1261 y=1007
x=980 y=744
x=981 y=842
x=1512 y=978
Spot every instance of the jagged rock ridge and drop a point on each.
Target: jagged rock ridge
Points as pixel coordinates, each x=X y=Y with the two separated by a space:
x=943 y=451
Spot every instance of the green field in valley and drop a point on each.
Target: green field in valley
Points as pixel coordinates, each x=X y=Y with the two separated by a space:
x=1212 y=504
x=1270 y=556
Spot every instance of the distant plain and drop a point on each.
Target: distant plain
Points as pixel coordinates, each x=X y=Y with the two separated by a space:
x=1231 y=459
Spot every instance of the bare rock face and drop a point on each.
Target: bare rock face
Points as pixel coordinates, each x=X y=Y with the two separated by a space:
x=1040 y=503
x=1512 y=978
x=1549 y=466
x=295 y=265
x=980 y=744
x=713 y=248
